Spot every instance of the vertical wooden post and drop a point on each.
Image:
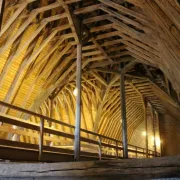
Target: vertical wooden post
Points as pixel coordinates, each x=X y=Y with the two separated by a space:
x=136 y=153
x=116 y=150
x=146 y=127
x=51 y=108
x=143 y=152
x=2 y=5
x=154 y=133
x=50 y=122
x=78 y=103
x=41 y=138
x=157 y=115
x=123 y=117
x=100 y=148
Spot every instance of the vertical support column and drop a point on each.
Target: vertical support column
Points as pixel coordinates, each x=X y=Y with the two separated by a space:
x=146 y=127
x=78 y=103
x=116 y=150
x=51 y=111
x=50 y=122
x=100 y=148
x=154 y=133
x=143 y=152
x=2 y=5
x=41 y=138
x=123 y=116
x=157 y=115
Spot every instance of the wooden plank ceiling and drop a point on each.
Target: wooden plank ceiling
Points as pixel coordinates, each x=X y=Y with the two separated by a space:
x=38 y=42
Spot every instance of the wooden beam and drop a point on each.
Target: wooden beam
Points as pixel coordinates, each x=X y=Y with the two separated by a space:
x=41 y=139
x=99 y=78
x=105 y=63
x=161 y=168
x=77 y=146
x=123 y=107
x=123 y=116
x=104 y=97
x=31 y=17
x=21 y=7
x=87 y=9
x=128 y=67
x=95 y=19
x=146 y=127
x=73 y=24
x=106 y=70
x=89 y=37
x=101 y=49
x=153 y=125
x=124 y=10
x=2 y=6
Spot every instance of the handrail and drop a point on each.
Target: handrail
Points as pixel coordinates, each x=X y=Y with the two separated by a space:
x=43 y=129
x=33 y=113
x=53 y=120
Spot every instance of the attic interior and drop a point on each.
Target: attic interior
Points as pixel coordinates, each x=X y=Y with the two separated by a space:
x=89 y=79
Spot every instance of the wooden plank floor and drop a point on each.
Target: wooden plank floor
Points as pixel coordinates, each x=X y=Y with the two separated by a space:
x=18 y=151
x=166 y=167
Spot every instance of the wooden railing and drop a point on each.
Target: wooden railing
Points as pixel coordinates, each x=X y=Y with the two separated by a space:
x=102 y=142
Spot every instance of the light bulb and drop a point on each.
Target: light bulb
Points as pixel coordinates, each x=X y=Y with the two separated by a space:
x=157 y=141
x=75 y=92
x=144 y=133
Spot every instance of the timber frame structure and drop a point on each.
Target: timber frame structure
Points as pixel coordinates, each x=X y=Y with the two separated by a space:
x=127 y=54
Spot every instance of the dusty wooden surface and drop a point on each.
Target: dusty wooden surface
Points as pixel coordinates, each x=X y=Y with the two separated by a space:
x=122 y=169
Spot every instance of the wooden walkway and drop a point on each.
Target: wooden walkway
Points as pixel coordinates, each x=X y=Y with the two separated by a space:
x=106 y=148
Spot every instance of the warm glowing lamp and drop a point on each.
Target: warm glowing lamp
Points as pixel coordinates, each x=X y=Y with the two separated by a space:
x=157 y=141
x=144 y=133
x=75 y=92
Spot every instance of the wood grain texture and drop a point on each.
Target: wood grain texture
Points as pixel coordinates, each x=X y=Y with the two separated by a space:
x=122 y=169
